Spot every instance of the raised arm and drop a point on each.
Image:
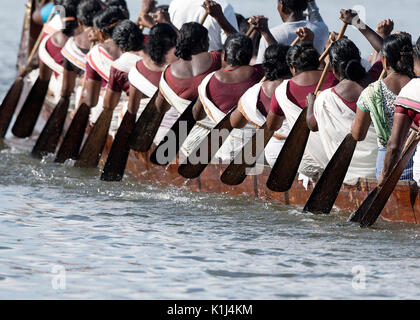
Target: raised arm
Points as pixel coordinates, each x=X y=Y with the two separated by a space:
x=215 y=10
x=351 y=17
x=384 y=29
x=260 y=23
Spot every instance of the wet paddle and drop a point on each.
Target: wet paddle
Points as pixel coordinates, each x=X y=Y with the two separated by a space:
x=144 y=132
x=236 y=173
x=117 y=158
x=9 y=104
x=73 y=139
x=287 y=164
x=92 y=149
x=50 y=135
x=194 y=166
x=326 y=190
x=187 y=119
x=328 y=187
x=370 y=212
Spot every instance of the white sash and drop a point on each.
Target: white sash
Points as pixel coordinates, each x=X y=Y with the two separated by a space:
x=73 y=54
x=126 y=61
x=213 y=112
x=54 y=25
x=141 y=83
x=46 y=57
x=100 y=61
x=334 y=119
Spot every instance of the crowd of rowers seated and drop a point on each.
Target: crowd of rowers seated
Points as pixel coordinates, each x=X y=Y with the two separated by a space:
x=221 y=69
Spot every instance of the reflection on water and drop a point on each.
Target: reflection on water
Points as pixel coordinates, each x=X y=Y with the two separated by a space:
x=66 y=234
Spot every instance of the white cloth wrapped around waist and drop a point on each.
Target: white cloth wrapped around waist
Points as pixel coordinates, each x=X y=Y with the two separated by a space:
x=179 y=105
x=74 y=55
x=334 y=120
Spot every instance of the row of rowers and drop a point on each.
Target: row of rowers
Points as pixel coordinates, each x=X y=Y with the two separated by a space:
x=178 y=65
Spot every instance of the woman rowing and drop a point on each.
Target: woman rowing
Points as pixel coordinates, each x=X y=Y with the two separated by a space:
x=130 y=41
x=289 y=99
x=334 y=110
x=40 y=17
x=179 y=82
x=98 y=68
x=74 y=62
x=376 y=102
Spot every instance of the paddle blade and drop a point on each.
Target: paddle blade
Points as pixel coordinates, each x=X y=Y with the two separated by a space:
x=73 y=139
x=9 y=104
x=118 y=156
x=358 y=215
x=327 y=188
x=181 y=128
x=92 y=149
x=287 y=164
x=236 y=173
x=48 y=139
x=192 y=169
x=27 y=117
x=141 y=139
x=381 y=199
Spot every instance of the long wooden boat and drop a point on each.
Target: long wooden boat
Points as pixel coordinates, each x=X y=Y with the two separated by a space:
x=403 y=205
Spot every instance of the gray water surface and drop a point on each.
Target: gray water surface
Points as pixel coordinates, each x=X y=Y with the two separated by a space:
x=66 y=235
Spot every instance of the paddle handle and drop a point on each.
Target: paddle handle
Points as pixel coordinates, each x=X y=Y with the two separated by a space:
x=250 y=31
x=36 y=45
x=203 y=18
x=383 y=75
x=295 y=42
x=327 y=50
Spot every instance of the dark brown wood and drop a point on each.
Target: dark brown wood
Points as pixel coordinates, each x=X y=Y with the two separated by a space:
x=287 y=164
x=92 y=149
x=9 y=104
x=141 y=139
x=48 y=140
x=328 y=187
x=28 y=115
x=117 y=158
x=190 y=169
x=187 y=119
x=236 y=172
x=73 y=139
x=382 y=195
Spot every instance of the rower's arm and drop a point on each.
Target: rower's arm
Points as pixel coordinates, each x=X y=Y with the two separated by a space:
x=310 y=118
x=260 y=23
x=361 y=124
x=112 y=98
x=313 y=12
x=237 y=120
x=161 y=104
x=93 y=89
x=135 y=97
x=198 y=111
x=215 y=10
x=402 y=124
x=69 y=81
x=351 y=17
x=274 y=122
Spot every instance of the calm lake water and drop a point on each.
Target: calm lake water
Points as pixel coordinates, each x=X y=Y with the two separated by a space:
x=66 y=235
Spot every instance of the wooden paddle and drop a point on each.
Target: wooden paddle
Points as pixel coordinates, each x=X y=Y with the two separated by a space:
x=144 y=132
x=187 y=119
x=370 y=211
x=50 y=135
x=287 y=164
x=9 y=104
x=326 y=190
x=236 y=172
x=73 y=139
x=117 y=158
x=190 y=169
x=92 y=149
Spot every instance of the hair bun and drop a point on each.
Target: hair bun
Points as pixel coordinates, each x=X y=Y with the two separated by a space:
x=354 y=70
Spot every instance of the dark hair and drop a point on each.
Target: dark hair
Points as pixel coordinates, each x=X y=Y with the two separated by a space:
x=398 y=50
x=163 y=7
x=295 y=5
x=242 y=23
x=275 y=64
x=191 y=40
x=70 y=11
x=162 y=38
x=87 y=10
x=303 y=56
x=58 y=2
x=417 y=48
x=238 y=49
x=345 y=59
x=108 y=19
x=120 y=4
x=128 y=36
